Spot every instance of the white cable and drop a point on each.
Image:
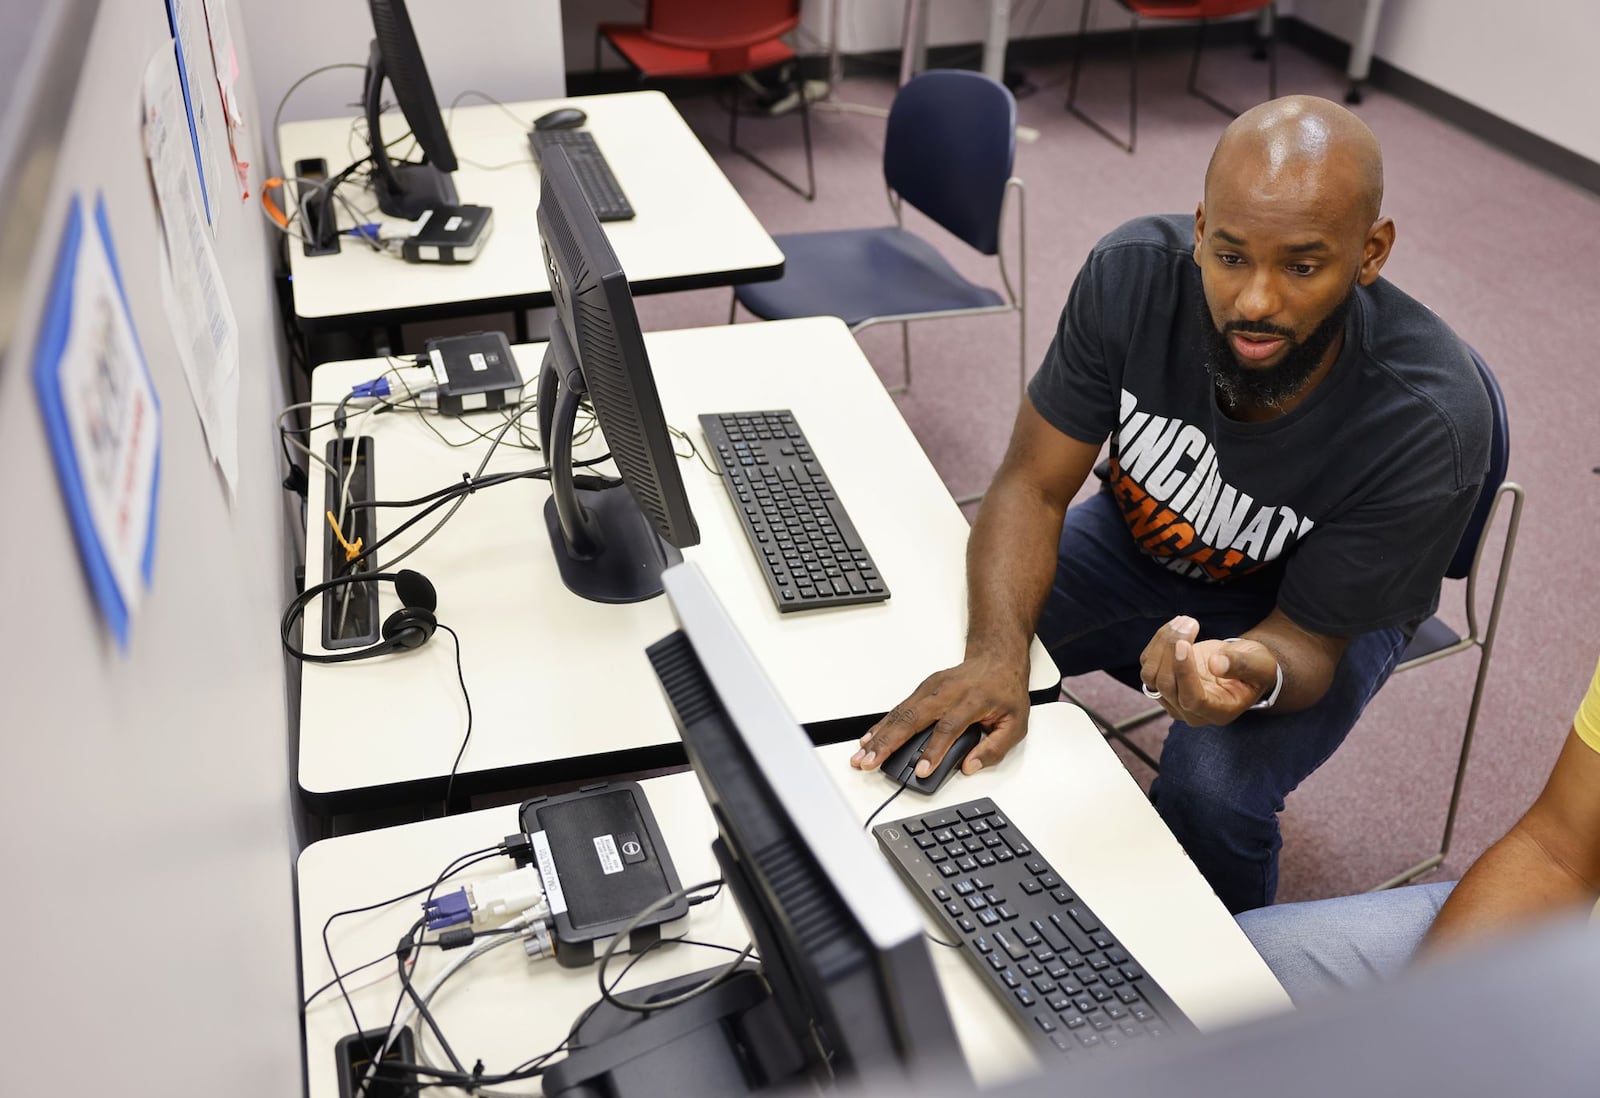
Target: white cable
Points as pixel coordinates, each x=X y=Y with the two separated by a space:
x=306 y=450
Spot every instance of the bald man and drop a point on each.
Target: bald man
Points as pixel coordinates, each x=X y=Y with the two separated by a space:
x=1295 y=449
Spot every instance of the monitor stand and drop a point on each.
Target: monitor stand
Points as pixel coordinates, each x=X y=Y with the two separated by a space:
x=605 y=547
x=730 y=1040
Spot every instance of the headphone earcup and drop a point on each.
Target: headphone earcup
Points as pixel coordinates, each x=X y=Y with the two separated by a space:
x=416 y=591
x=408 y=627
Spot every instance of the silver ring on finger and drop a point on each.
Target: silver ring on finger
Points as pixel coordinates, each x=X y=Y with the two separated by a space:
x=1154 y=695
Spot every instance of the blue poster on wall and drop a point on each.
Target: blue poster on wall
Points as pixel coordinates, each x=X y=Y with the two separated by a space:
x=102 y=416
x=183 y=39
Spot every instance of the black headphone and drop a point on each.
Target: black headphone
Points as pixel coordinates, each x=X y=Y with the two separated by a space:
x=408 y=627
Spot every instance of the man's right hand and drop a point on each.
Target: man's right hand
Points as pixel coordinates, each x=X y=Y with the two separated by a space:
x=983 y=692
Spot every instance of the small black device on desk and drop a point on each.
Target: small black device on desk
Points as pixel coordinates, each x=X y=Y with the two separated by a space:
x=595 y=178
x=448 y=234
x=602 y=860
x=474 y=372
x=1060 y=973
x=802 y=536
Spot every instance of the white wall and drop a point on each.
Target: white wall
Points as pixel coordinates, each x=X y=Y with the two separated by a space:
x=1533 y=64
x=148 y=852
x=509 y=49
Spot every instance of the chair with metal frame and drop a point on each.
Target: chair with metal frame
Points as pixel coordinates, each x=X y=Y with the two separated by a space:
x=706 y=39
x=948 y=152
x=1434 y=640
x=1141 y=10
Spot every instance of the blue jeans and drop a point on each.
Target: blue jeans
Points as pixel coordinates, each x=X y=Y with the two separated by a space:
x=1344 y=942
x=1220 y=788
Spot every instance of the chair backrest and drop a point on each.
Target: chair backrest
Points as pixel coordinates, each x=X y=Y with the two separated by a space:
x=951 y=141
x=720 y=25
x=1493 y=477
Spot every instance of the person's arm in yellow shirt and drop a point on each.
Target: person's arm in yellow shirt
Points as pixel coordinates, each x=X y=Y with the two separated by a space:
x=1549 y=860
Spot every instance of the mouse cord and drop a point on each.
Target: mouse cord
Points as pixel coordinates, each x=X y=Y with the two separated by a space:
x=905 y=781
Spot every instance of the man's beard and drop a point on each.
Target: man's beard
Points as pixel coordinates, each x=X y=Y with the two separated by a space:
x=1267 y=386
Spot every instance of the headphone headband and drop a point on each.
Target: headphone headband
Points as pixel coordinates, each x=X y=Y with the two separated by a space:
x=406 y=628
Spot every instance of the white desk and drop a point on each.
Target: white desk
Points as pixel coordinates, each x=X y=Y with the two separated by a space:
x=692 y=227
x=562 y=684
x=506 y=1008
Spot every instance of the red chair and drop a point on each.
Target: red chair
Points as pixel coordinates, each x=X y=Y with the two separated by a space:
x=705 y=39
x=1202 y=10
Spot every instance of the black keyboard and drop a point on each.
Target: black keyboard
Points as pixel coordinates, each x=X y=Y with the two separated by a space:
x=804 y=540
x=1038 y=947
x=599 y=186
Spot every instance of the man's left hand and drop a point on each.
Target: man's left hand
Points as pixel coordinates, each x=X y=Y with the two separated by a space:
x=1205 y=682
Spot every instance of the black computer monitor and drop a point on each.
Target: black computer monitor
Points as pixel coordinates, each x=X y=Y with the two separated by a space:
x=611 y=541
x=849 y=984
x=405 y=190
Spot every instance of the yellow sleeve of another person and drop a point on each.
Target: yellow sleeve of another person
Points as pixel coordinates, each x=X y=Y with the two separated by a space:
x=1587 y=720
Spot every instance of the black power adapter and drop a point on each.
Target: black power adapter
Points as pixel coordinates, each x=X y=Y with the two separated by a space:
x=475 y=372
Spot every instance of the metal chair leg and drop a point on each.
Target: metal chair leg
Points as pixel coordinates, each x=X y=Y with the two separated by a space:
x=1118 y=730
x=1272 y=66
x=905 y=351
x=1133 y=84
x=810 y=193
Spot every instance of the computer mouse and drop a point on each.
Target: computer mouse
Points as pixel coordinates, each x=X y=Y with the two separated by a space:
x=562 y=118
x=902 y=761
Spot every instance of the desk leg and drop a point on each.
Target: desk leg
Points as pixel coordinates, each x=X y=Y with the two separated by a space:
x=1361 y=50
x=994 y=43
x=913 y=39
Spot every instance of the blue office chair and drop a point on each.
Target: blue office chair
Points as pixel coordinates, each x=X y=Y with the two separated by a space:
x=1434 y=640
x=948 y=151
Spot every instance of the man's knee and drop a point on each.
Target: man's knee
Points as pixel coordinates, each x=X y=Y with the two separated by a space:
x=1207 y=772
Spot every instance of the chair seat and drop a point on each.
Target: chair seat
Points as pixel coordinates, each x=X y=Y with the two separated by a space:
x=1432 y=636
x=657 y=59
x=1191 y=9
x=859 y=274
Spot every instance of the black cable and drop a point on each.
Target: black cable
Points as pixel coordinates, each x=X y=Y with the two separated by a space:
x=349 y=565
x=388 y=953
x=867 y=826
x=408 y=946
x=903 y=783
x=461 y=676
x=450 y=491
x=698 y=900
x=693 y=993
x=465 y=488
x=309 y=999
x=455 y=866
x=535 y=1065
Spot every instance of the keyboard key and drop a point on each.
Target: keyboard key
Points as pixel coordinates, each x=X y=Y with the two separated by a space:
x=1086 y=922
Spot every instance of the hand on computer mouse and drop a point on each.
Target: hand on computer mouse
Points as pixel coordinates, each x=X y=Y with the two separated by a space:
x=988 y=693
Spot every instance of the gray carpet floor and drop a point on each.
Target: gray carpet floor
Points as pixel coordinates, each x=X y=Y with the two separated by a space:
x=1508 y=255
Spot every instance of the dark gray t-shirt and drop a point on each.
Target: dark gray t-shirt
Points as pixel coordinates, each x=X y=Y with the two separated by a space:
x=1353 y=502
